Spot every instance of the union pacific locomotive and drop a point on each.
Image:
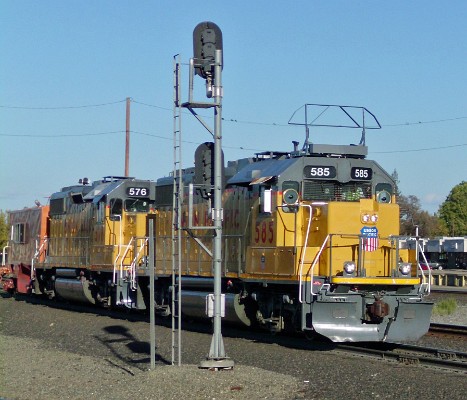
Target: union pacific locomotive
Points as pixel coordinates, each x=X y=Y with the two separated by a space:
x=309 y=240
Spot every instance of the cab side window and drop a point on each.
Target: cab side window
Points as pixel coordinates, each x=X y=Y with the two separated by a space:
x=265 y=202
x=18 y=234
x=116 y=206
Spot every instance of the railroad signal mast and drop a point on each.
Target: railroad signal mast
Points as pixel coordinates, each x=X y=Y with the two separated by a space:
x=207 y=62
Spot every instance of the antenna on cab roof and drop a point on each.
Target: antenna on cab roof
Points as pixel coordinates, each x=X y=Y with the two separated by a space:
x=334 y=116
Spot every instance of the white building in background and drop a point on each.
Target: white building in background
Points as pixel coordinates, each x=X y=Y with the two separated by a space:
x=450 y=251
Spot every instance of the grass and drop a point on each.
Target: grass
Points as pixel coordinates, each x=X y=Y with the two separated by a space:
x=445 y=307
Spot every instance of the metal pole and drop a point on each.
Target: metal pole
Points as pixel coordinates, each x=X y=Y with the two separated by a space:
x=127 y=139
x=152 y=329
x=217 y=358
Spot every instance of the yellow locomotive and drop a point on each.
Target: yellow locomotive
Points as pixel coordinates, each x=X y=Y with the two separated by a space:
x=96 y=235
x=310 y=242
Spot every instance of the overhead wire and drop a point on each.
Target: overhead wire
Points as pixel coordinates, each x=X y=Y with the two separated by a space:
x=62 y=135
x=425 y=149
x=62 y=107
x=232 y=120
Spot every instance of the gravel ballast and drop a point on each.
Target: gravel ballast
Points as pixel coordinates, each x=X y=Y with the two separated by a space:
x=56 y=374
x=47 y=352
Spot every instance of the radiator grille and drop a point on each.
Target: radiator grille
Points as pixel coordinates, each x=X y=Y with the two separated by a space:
x=335 y=191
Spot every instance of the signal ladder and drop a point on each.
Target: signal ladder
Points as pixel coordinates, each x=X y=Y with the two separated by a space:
x=176 y=217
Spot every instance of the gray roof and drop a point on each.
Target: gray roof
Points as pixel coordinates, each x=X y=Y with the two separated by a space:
x=262 y=169
x=98 y=192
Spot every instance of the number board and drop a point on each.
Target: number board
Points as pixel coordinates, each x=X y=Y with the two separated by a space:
x=137 y=191
x=361 y=173
x=319 y=172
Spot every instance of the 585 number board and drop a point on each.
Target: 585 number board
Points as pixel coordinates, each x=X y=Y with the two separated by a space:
x=329 y=172
x=319 y=172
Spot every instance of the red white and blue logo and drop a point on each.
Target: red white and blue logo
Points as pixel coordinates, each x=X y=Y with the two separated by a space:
x=370 y=238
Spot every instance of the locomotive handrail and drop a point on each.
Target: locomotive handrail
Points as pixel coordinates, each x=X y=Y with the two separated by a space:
x=127 y=249
x=144 y=240
x=420 y=268
x=119 y=249
x=302 y=260
x=315 y=260
x=425 y=286
x=426 y=283
x=305 y=245
x=37 y=253
x=3 y=255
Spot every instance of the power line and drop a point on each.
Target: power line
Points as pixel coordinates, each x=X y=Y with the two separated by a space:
x=62 y=107
x=224 y=119
x=61 y=135
x=121 y=131
x=233 y=120
x=192 y=142
x=426 y=122
x=151 y=105
x=425 y=149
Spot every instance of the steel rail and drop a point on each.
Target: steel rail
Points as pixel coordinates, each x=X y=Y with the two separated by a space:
x=416 y=355
x=449 y=329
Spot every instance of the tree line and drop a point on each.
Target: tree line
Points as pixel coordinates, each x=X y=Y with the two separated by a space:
x=450 y=220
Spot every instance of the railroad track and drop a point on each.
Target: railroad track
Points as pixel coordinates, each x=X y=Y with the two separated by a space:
x=448 y=329
x=412 y=355
x=419 y=355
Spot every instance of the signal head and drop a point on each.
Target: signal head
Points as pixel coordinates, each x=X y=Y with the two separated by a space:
x=207 y=38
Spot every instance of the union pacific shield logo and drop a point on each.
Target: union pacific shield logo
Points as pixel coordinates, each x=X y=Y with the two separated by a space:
x=370 y=238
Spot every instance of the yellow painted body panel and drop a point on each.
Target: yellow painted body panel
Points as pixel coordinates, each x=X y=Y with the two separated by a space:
x=282 y=245
x=375 y=281
x=86 y=237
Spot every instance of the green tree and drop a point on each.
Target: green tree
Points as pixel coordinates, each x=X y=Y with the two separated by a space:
x=413 y=218
x=453 y=212
x=395 y=178
x=3 y=230
x=409 y=209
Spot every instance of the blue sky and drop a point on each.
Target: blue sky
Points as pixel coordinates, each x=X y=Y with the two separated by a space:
x=404 y=61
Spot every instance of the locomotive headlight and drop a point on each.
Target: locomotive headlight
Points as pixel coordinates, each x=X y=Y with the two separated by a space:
x=365 y=218
x=374 y=218
x=290 y=197
x=405 y=268
x=349 y=267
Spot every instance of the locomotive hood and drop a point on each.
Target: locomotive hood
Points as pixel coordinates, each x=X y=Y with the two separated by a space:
x=101 y=190
x=261 y=171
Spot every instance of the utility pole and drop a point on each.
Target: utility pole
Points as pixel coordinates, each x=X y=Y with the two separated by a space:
x=127 y=140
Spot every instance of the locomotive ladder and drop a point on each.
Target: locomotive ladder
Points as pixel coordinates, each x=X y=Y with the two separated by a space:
x=176 y=217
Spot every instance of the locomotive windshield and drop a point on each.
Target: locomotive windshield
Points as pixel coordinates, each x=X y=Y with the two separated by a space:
x=137 y=205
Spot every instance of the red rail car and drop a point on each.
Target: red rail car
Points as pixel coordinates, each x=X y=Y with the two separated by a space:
x=28 y=242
